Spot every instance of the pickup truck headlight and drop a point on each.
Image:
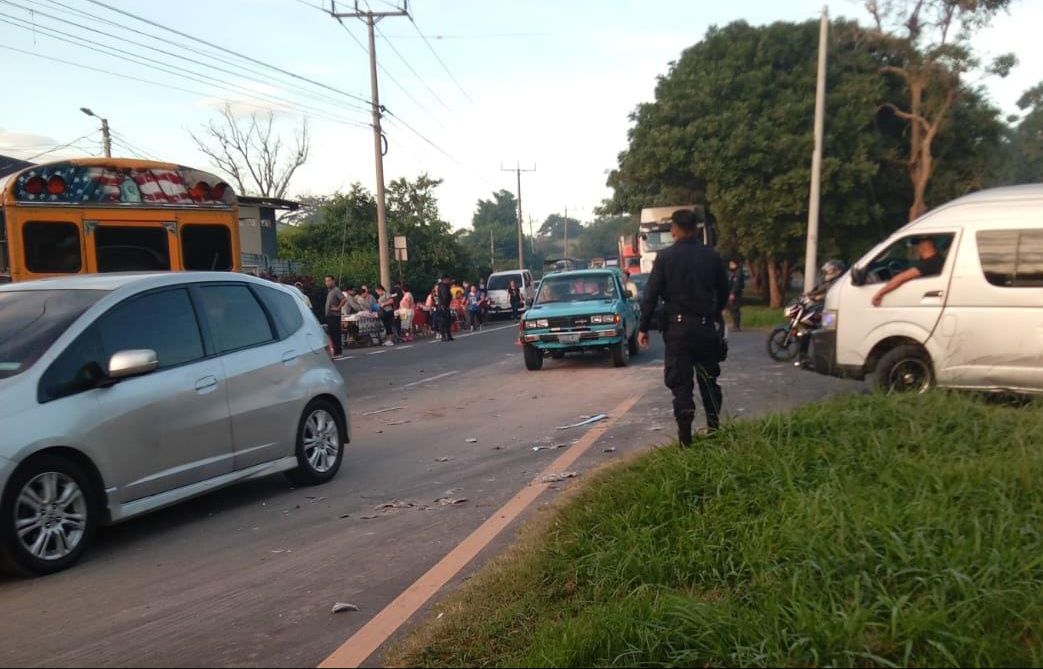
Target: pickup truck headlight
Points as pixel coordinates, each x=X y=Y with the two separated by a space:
x=605 y=319
x=829 y=319
x=536 y=324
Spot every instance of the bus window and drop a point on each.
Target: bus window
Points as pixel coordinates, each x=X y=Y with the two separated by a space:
x=131 y=249
x=206 y=248
x=52 y=247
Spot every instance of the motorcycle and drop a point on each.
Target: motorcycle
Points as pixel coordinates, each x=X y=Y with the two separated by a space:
x=788 y=342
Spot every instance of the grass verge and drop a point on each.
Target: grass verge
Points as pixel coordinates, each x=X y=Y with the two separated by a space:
x=760 y=317
x=865 y=531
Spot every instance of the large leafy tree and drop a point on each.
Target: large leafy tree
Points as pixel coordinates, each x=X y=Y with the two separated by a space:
x=1026 y=142
x=929 y=43
x=495 y=224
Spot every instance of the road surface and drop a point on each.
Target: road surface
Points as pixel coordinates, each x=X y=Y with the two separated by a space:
x=248 y=576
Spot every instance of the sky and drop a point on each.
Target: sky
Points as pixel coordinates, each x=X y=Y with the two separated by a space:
x=542 y=84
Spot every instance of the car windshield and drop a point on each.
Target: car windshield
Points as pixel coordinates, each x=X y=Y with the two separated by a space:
x=32 y=320
x=503 y=281
x=657 y=241
x=577 y=288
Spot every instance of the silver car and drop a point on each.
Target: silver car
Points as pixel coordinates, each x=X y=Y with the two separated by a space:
x=122 y=394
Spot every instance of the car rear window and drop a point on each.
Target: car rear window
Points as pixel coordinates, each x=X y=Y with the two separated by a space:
x=32 y=320
x=236 y=318
x=285 y=310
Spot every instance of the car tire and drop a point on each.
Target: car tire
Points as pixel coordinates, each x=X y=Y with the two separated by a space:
x=620 y=354
x=320 y=444
x=634 y=345
x=61 y=489
x=533 y=359
x=904 y=369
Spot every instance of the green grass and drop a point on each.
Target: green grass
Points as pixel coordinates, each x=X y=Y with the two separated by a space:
x=759 y=317
x=867 y=531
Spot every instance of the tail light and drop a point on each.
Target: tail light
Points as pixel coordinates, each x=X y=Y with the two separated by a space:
x=35 y=186
x=199 y=192
x=219 y=191
x=56 y=185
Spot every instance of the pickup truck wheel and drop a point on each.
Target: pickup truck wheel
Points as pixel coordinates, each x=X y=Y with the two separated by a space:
x=620 y=354
x=533 y=359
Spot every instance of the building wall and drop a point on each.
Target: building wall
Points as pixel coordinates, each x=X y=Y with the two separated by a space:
x=250 y=230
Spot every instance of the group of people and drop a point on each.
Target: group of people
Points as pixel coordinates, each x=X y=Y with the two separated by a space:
x=449 y=306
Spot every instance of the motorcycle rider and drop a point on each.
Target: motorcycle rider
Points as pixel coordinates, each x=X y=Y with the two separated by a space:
x=831 y=270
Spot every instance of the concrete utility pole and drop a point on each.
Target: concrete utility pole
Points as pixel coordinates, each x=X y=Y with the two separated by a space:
x=811 y=252
x=521 y=234
x=371 y=19
x=106 y=138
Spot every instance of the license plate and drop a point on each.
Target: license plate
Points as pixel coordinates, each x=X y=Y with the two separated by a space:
x=568 y=338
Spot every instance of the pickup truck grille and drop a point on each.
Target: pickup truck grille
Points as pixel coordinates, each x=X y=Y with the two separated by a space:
x=570 y=322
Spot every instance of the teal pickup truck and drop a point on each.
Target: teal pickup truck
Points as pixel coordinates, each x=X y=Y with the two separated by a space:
x=579 y=311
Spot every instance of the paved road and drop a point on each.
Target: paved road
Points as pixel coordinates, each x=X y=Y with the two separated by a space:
x=247 y=576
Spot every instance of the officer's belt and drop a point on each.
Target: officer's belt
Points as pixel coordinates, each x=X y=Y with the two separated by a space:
x=700 y=320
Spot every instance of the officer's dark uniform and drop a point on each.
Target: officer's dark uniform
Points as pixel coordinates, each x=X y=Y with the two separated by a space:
x=692 y=281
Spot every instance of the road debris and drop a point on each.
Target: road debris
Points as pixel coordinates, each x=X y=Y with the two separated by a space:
x=399 y=422
x=368 y=517
x=442 y=459
x=589 y=421
x=341 y=607
x=561 y=445
x=556 y=478
x=394 y=504
x=541 y=448
x=610 y=449
x=345 y=516
x=450 y=501
x=380 y=411
x=472 y=440
x=657 y=428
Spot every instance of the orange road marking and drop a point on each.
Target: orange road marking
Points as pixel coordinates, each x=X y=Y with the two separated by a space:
x=373 y=634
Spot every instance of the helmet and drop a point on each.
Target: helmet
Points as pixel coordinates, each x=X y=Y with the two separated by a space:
x=833 y=269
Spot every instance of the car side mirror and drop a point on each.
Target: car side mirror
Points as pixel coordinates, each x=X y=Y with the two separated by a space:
x=131 y=363
x=629 y=293
x=858 y=276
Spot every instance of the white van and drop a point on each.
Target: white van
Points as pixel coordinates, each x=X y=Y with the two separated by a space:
x=978 y=325
x=498 y=284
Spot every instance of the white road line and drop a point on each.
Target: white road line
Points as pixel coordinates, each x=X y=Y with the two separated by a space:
x=430 y=379
x=377 y=353
x=403 y=348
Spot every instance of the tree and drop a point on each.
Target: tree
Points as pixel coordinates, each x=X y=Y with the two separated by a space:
x=495 y=221
x=251 y=153
x=931 y=39
x=554 y=227
x=1026 y=144
x=601 y=237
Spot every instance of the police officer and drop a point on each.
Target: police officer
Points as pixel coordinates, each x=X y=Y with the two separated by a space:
x=691 y=280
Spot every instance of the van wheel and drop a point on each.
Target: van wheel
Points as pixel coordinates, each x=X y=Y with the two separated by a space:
x=320 y=445
x=49 y=513
x=905 y=369
x=620 y=354
x=533 y=359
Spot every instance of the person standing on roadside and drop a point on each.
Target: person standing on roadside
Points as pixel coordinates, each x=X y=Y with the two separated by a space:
x=335 y=301
x=691 y=280
x=736 y=284
x=514 y=295
x=474 y=309
x=445 y=314
x=386 y=305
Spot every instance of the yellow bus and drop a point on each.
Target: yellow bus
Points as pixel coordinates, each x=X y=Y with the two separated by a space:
x=96 y=215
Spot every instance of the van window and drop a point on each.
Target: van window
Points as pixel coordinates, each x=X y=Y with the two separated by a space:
x=902 y=255
x=503 y=281
x=52 y=247
x=1012 y=258
x=164 y=322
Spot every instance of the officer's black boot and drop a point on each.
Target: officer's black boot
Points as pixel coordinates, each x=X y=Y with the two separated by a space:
x=684 y=428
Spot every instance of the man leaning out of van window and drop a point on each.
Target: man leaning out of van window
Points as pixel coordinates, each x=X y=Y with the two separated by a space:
x=931 y=263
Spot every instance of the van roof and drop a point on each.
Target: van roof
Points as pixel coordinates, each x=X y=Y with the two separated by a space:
x=1004 y=194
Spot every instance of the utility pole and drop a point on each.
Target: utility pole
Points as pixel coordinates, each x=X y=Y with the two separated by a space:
x=371 y=19
x=565 y=249
x=811 y=252
x=492 y=251
x=532 y=239
x=521 y=235
x=106 y=138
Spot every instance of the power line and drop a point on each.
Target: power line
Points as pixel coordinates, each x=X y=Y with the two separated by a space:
x=415 y=73
x=60 y=146
x=238 y=72
x=398 y=120
x=118 y=137
x=177 y=71
x=439 y=58
x=227 y=50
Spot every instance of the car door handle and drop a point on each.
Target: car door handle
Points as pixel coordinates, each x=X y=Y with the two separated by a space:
x=934 y=293
x=206 y=384
x=288 y=357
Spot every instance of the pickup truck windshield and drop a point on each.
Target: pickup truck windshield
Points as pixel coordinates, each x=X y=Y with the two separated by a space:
x=577 y=288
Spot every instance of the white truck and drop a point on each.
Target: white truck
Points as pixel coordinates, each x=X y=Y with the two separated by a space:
x=654 y=231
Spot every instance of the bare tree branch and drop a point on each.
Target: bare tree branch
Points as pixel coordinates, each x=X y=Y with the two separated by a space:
x=249 y=152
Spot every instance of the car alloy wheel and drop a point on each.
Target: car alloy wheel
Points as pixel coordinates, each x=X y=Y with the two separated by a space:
x=321 y=441
x=51 y=516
